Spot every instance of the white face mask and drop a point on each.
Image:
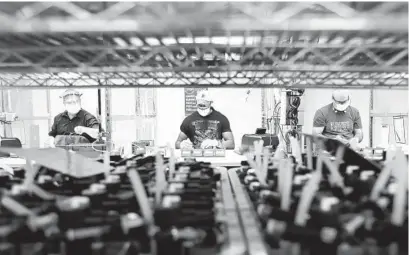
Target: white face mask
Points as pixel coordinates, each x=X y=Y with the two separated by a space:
x=341 y=107
x=73 y=109
x=204 y=112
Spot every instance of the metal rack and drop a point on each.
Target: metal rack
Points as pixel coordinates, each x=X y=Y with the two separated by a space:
x=356 y=45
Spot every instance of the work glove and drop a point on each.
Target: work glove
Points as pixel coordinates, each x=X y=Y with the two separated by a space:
x=342 y=140
x=209 y=144
x=355 y=145
x=79 y=130
x=186 y=145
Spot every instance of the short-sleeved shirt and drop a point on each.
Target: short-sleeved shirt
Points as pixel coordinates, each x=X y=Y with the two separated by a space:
x=198 y=128
x=338 y=123
x=63 y=125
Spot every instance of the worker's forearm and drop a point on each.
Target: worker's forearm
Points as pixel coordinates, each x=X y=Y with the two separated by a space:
x=93 y=132
x=320 y=135
x=359 y=136
x=177 y=145
x=228 y=144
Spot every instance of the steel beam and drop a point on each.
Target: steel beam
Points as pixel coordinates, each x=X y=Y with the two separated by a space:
x=154 y=18
x=245 y=79
x=352 y=57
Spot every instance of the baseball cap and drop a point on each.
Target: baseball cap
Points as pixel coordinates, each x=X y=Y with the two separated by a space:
x=204 y=95
x=341 y=99
x=70 y=92
x=340 y=95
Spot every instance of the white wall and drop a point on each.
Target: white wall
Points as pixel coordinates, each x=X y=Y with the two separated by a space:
x=244 y=116
x=315 y=98
x=389 y=103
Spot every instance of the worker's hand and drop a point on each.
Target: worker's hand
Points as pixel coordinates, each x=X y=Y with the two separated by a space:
x=342 y=140
x=354 y=144
x=79 y=130
x=209 y=144
x=186 y=145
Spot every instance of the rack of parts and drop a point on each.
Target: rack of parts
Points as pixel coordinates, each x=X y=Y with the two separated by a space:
x=138 y=205
x=335 y=203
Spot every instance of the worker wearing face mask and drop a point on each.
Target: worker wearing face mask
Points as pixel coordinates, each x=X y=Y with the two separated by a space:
x=339 y=120
x=205 y=128
x=74 y=120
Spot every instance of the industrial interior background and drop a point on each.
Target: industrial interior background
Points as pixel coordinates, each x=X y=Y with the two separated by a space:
x=155 y=50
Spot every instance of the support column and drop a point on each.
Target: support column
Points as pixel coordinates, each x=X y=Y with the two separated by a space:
x=371 y=118
x=108 y=120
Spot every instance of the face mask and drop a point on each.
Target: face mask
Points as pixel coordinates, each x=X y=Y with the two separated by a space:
x=341 y=107
x=204 y=112
x=73 y=109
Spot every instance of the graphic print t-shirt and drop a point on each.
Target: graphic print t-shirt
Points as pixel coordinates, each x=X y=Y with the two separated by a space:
x=338 y=123
x=198 y=128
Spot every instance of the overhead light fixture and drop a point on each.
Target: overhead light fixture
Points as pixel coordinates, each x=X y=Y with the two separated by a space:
x=120 y=42
x=136 y=41
x=169 y=40
x=186 y=40
x=236 y=40
x=253 y=40
x=202 y=40
x=152 y=41
x=219 y=40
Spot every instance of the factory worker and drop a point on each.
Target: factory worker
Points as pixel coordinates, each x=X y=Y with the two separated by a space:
x=74 y=120
x=205 y=128
x=339 y=120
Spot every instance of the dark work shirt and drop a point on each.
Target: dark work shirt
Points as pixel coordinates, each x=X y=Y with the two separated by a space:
x=198 y=128
x=338 y=123
x=63 y=125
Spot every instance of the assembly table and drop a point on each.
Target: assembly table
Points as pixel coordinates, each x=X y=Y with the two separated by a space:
x=231 y=159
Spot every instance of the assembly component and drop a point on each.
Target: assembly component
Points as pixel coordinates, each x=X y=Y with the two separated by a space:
x=327 y=203
x=77 y=203
x=84 y=233
x=4 y=177
x=197 y=153
x=42 y=222
x=73 y=211
x=15 y=207
x=189 y=236
x=276 y=228
x=112 y=183
x=131 y=221
x=208 y=153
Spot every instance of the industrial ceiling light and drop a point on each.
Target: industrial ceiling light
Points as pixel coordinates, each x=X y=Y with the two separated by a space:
x=202 y=40
x=120 y=42
x=169 y=41
x=186 y=40
x=136 y=41
x=152 y=41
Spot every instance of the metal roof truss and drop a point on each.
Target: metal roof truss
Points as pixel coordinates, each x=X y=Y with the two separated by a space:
x=261 y=79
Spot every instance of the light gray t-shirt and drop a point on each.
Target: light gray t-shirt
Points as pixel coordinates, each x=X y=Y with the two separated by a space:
x=338 y=123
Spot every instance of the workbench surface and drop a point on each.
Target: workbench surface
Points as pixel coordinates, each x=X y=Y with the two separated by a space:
x=231 y=159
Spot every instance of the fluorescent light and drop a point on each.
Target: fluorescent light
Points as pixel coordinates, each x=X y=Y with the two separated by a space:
x=202 y=40
x=152 y=41
x=120 y=42
x=252 y=40
x=219 y=40
x=185 y=40
x=169 y=40
x=236 y=40
x=136 y=41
